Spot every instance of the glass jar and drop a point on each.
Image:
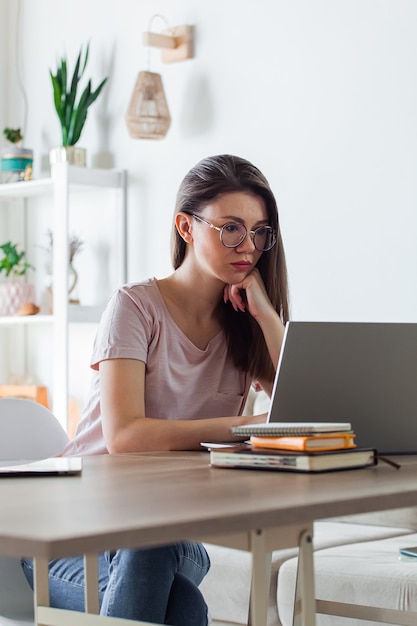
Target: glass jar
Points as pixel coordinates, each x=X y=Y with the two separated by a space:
x=15 y=165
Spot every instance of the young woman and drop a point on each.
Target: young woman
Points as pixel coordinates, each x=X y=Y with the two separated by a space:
x=173 y=361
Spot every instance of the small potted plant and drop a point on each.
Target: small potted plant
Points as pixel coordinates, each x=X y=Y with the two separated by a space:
x=75 y=246
x=15 y=296
x=72 y=112
x=16 y=162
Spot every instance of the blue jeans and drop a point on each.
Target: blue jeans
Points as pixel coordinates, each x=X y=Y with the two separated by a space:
x=157 y=585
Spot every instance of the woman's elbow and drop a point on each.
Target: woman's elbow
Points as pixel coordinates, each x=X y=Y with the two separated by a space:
x=120 y=441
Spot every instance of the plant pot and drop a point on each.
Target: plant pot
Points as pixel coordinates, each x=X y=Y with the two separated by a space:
x=15 y=165
x=14 y=295
x=72 y=283
x=71 y=154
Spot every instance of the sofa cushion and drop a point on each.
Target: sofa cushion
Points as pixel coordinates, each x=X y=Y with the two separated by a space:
x=368 y=573
x=226 y=586
x=406 y=518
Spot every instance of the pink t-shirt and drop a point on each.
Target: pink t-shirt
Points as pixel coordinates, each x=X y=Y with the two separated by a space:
x=182 y=382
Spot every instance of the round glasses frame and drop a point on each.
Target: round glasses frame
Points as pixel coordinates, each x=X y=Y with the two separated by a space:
x=253 y=233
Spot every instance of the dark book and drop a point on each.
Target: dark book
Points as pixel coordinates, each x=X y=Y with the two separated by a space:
x=249 y=458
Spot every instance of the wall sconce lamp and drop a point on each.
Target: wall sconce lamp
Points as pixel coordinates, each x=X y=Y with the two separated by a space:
x=177 y=43
x=148 y=116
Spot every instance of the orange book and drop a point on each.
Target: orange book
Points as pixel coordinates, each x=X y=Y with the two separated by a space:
x=313 y=443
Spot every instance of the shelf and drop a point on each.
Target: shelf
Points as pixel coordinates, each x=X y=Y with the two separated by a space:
x=77 y=314
x=21 y=320
x=26 y=189
x=78 y=177
x=65 y=182
x=92 y=178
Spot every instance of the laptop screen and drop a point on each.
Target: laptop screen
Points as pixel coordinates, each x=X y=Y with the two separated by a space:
x=362 y=373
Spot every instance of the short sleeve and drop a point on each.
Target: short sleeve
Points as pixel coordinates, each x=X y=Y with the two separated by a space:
x=124 y=332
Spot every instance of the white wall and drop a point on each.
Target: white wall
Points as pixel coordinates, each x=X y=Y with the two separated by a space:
x=320 y=94
x=3 y=61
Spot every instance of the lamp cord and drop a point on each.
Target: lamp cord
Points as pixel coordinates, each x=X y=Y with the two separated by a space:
x=18 y=72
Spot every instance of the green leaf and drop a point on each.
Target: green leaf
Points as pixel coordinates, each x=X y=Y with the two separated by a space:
x=56 y=85
x=13 y=135
x=74 y=83
x=87 y=52
x=97 y=92
x=12 y=261
x=80 y=115
x=63 y=75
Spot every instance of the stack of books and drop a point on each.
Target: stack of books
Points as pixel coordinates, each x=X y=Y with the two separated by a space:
x=300 y=447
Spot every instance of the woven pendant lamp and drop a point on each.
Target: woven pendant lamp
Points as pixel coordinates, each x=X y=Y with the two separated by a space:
x=147 y=116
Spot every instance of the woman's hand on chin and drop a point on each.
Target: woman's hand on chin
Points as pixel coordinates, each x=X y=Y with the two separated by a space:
x=236 y=297
x=248 y=295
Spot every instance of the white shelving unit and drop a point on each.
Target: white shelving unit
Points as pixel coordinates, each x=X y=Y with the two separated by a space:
x=62 y=187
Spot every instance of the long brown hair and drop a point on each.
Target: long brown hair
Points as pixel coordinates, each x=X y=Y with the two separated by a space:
x=209 y=179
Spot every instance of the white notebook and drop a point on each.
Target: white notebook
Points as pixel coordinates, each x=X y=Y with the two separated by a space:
x=54 y=466
x=280 y=429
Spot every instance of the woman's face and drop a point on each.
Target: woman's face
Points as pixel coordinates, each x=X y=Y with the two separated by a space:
x=230 y=265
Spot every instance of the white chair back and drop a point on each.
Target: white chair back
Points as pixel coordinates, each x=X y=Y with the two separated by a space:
x=28 y=430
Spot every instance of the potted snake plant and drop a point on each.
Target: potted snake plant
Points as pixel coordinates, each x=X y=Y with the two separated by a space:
x=72 y=107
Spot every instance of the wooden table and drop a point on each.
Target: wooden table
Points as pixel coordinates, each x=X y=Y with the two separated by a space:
x=123 y=501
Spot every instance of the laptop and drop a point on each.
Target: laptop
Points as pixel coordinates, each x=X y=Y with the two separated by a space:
x=53 y=466
x=362 y=373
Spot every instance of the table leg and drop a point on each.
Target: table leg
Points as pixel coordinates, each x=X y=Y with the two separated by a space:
x=261 y=578
x=41 y=584
x=46 y=616
x=92 y=602
x=305 y=602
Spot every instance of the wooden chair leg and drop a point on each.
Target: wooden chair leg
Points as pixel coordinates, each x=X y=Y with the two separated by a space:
x=304 y=601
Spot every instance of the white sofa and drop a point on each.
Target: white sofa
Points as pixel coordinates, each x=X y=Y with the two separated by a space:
x=356 y=561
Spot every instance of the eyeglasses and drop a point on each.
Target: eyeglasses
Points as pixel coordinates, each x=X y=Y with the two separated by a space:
x=233 y=234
